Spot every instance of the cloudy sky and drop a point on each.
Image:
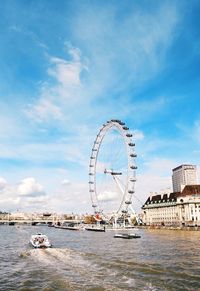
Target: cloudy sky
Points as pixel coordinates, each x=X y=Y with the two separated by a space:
x=66 y=67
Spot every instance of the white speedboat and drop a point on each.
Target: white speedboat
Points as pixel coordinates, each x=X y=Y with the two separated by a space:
x=40 y=241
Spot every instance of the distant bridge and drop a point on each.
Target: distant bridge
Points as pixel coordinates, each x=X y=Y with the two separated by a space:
x=38 y=221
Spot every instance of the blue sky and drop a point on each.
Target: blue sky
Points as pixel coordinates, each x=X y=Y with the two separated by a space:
x=67 y=67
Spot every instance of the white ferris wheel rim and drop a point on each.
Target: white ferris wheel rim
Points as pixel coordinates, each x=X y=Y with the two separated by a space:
x=130 y=180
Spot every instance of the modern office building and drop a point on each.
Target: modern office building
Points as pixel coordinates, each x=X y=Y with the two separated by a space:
x=184 y=175
x=178 y=208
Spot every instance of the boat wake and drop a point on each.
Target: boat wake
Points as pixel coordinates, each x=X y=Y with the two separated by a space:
x=73 y=270
x=25 y=254
x=85 y=271
x=79 y=269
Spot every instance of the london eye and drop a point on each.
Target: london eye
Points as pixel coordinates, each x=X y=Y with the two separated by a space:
x=112 y=169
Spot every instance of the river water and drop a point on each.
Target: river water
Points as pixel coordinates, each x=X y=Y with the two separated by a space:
x=84 y=260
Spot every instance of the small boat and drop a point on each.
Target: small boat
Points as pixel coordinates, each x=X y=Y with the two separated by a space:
x=102 y=229
x=40 y=241
x=67 y=227
x=126 y=235
x=71 y=227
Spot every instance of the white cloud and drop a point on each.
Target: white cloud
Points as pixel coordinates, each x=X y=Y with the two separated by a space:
x=30 y=187
x=65 y=182
x=41 y=200
x=29 y=195
x=3 y=183
x=66 y=73
x=45 y=110
x=107 y=196
x=64 y=90
x=73 y=198
x=9 y=200
x=137 y=135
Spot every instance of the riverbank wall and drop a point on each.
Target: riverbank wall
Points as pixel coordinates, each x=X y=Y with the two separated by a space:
x=188 y=228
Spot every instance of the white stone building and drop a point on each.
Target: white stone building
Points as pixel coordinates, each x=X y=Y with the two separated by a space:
x=174 y=209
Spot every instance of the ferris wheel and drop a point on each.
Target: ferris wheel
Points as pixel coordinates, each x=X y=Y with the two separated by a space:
x=112 y=169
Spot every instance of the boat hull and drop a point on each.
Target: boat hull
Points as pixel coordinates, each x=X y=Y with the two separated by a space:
x=40 y=246
x=95 y=229
x=126 y=236
x=67 y=227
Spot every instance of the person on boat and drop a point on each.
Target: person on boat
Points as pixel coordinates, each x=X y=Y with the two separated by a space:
x=41 y=240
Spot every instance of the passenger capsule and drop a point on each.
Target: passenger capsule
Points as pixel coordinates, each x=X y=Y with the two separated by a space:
x=133 y=155
x=129 y=135
x=131 y=192
x=128 y=202
x=125 y=128
x=133 y=167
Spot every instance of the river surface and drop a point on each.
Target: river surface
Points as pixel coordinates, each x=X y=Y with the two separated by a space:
x=84 y=260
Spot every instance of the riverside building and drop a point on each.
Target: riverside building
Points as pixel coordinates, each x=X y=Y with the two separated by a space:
x=180 y=208
x=184 y=175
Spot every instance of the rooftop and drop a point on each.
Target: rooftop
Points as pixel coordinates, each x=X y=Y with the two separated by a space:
x=181 y=166
x=172 y=197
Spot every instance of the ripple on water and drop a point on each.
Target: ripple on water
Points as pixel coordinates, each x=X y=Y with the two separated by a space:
x=73 y=266
x=80 y=271
x=85 y=261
